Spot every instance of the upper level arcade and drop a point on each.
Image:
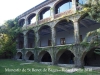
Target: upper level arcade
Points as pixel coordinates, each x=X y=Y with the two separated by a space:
x=47 y=11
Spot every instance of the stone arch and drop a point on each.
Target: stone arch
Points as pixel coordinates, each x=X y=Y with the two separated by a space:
x=64 y=19
x=19 y=55
x=31 y=38
x=21 y=22
x=90 y=58
x=43 y=11
x=31 y=17
x=65 y=57
x=20 y=42
x=64 y=32
x=44 y=31
x=44 y=56
x=87 y=24
x=61 y=3
x=29 y=55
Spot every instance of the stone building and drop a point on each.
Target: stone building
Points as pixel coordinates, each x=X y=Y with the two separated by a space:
x=52 y=33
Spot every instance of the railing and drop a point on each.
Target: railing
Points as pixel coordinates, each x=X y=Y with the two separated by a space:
x=60 y=15
x=66 y=13
x=31 y=25
x=45 y=20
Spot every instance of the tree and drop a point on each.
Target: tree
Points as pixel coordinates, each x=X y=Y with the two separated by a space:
x=92 y=8
x=8 y=35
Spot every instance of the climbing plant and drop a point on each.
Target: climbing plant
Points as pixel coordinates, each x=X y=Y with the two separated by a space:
x=8 y=34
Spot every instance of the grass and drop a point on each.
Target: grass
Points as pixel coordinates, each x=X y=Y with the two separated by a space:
x=23 y=68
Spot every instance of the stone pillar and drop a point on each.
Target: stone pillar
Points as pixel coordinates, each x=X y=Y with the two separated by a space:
x=54 y=62
x=37 y=19
x=25 y=40
x=76 y=32
x=17 y=43
x=78 y=62
x=53 y=36
x=52 y=12
x=37 y=39
x=26 y=22
x=74 y=5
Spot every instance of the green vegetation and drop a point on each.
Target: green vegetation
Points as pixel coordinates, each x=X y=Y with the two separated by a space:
x=8 y=34
x=24 y=68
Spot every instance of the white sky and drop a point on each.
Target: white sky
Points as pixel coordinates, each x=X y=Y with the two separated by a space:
x=10 y=9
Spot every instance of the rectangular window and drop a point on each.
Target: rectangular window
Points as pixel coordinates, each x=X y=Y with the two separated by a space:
x=49 y=42
x=81 y=39
x=62 y=41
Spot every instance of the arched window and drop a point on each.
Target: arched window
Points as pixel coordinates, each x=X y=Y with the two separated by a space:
x=21 y=22
x=63 y=6
x=44 y=13
x=32 y=18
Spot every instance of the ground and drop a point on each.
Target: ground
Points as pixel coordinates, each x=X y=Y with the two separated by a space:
x=14 y=67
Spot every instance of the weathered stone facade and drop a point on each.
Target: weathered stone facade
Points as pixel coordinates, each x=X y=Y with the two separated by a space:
x=30 y=45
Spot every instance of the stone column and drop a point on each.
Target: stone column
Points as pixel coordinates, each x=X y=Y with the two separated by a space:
x=78 y=61
x=25 y=40
x=74 y=5
x=53 y=56
x=17 y=43
x=37 y=39
x=37 y=19
x=26 y=22
x=52 y=12
x=54 y=62
x=76 y=32
x=53 y=36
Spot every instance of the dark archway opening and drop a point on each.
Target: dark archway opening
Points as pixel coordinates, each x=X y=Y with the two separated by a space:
x=31 y=57
x=64 y=32
x=31 y=39
x=66 y=58
x=20 y=44
x=46 y=57
x=19 y=55
x=21 y=22
x=92 y=58
x=45 y=36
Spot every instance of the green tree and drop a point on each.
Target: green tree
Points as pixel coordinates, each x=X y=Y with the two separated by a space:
x=8 y=34
x=92 y=8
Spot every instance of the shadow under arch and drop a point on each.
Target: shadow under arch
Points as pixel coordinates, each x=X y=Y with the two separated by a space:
x=64 y=32
x=20 y=40
x=21 y=22
x=65 y=57
x=19 y=55
x=44 y=56
x=90 y=58
x=44 y=36
x=30 y=39
x=29 y=55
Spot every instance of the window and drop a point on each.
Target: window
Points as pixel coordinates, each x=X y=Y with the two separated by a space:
x=49 y=42
x=62 y=41
x=81 y=38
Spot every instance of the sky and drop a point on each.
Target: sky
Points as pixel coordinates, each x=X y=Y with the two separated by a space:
x=10 y=9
